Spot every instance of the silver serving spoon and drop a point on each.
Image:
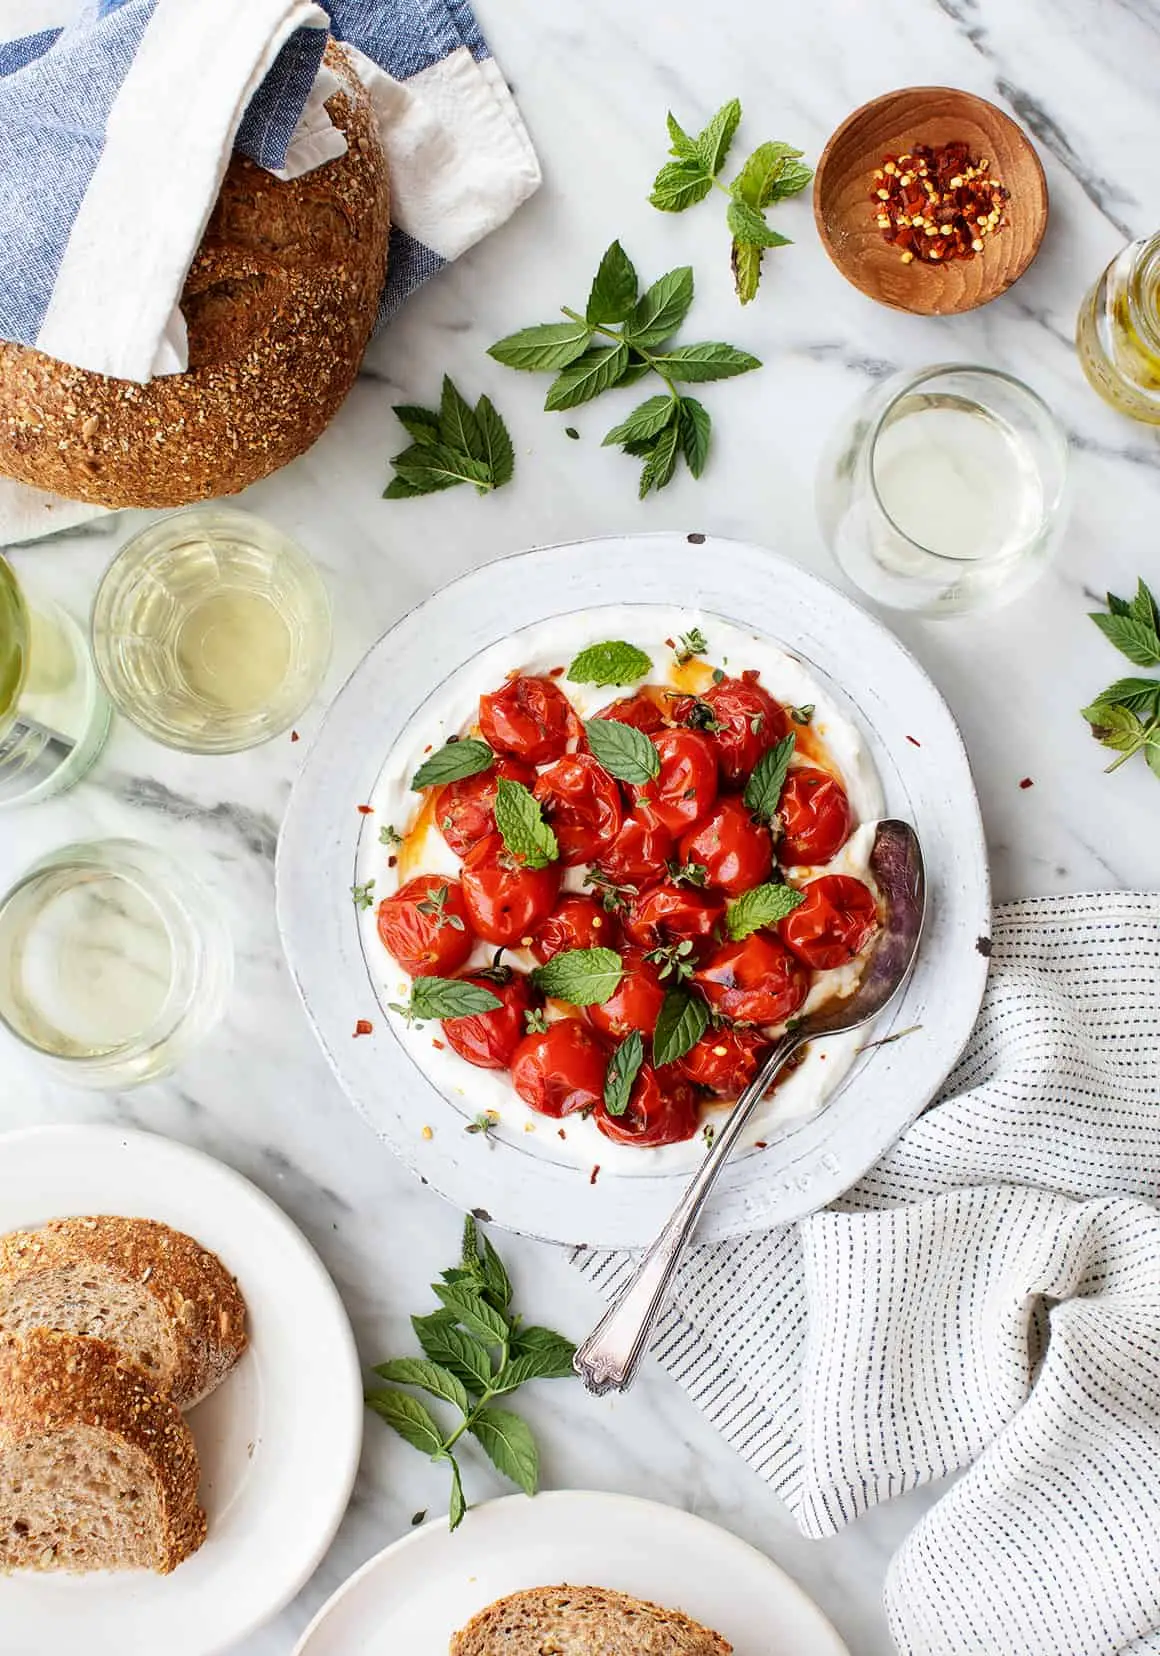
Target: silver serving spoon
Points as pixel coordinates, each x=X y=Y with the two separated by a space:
x=609 y=1358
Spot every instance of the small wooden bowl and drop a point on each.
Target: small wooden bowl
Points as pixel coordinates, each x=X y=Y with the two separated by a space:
x=891 y=125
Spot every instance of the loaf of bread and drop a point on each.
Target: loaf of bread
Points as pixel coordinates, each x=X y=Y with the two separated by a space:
x=98 y=1470
x=279 y=304
x=158 y=1296
x=583 y=1621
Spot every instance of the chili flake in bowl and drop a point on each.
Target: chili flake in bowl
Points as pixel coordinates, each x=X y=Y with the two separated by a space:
x=937 y=204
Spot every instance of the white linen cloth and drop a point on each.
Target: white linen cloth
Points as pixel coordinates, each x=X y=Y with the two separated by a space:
x=988 y=1299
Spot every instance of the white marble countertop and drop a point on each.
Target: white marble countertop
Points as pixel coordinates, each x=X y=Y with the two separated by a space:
x=594 y=79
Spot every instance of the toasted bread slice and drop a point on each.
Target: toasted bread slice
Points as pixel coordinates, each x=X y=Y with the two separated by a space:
x=157 y=1295
x=98 y=1469
x=583 y=1621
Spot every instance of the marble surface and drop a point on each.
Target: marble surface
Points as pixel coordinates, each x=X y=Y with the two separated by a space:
x=594 y=80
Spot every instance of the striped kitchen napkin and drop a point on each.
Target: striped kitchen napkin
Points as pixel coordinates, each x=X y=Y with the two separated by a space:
x=987 y=1301
x=118 y=128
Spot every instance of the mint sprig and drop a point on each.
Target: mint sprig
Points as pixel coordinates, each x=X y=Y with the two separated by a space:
x=519 y=818
x=582 y=977
x=457 y=758
x=622 y=336
x=773 y=172
x=763 y=905
x=451 y=445
x=1126 y=716
x=623 y=1068
x=763 y=790
x=612 y=662
x=681 y=1021
x=438 y=997
x=475 y=1350
x=623 y=751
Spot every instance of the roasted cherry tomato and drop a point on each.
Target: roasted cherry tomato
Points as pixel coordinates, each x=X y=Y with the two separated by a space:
x=639 y=853
x=725 y=1060
x=505 y=899
x=735 y=852
x=583 y=805
x=815 y=814
x=669 y=913
x=686 y=786
x=662 y=1109
x=426 y=926
x=636 y=1002
x=465 y=811
x=640 y=711
x=489 y=1039
x=757 y=981
x=561 y=1070
x=836 y=921
x=577 y=922
x=530 y=718
x=748 y=722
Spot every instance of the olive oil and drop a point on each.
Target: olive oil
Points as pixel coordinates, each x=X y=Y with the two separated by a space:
x=1118 y=332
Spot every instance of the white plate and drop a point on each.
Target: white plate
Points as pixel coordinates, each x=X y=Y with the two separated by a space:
x=919 y=754
x=416 y=1594
x=279 y=1440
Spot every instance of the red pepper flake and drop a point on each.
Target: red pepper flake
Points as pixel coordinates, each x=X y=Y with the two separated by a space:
x=392 y=862
x=914 y=741
x=293 y=735
x=670 y=644
x=1027 y=783
x=760 y=1144
x=594 y=1175
x=936 y=204
x=438 y=1045
x=561 y=1133
x=364 y=1027
x=366 y=810
x=556 y=672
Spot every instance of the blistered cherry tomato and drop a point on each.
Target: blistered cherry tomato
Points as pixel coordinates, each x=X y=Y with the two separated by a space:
x=530 y=718
x=505 y=899
x=640 y=711
x=465 y=811
x=636 y=1001
x=577 y=922
x=488 y=1039
x=669 y=913
x=639 y=853
x=815 y=814
x=725 y=1060
x=583 y=805
x=735 y=851
x=561 y=1070
x=757 y=981
x=749 y=721
x=686 y=786
x=836 y=921
x=662 y=1109
x=426 y=926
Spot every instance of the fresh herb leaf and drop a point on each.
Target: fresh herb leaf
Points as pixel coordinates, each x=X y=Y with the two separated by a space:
x=745 y=262
x=763 y=790
x=430 y=467
x=362 y=894
x=497 y=1285
x=509 y=1445
x=682 y=1020
x=582 y=977
x=622 y=1072
x=644 y=422
x=713 y=143
x=802 y=715
x=520 y=821
x=452 y=762
x=473 y=1311
x=459 y=1353
x=414 y=1423
x=661 y=309
x=1143 y=607
x=688 y=873
x=544 y=348
x=587 y=377
x=498 y=453
x=695 y=429
x=438 y=997
x=614 y=288
x=428 y=1376
x=1137 y=640
x=390 y=835
x=771 y=173
x=764 y=905
x=484 y=1124
x=457 y=1505
x=1141 y=695
x=535 y=1023
x=458 y=427
x=420 y=424
x=748 y=225
x=680 y=184
x=660 y=462
x=553 y=1353
x=709 y=360
x=690 y=644
x=612 y=662
x=457 y=444
x=1126 y=716
x=623 y=751
x=675 y=961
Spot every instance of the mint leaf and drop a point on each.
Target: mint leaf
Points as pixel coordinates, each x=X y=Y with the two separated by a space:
x=457 y=1505
x=422 y=424
x=748 y=226
x=410 y=1419
x=498 y=454
x=531 y=1365
x=520 y=821
x=585 y=378
x=763 y=790
x=497 y=1285
x=1143 y=607
x=458 y=427
x=414 y=1371
x=473 y=1312
x=764 y=905
x=582 y=977
x=695 y=427
x=508 y=1443
x=644 y=422
x=1152 y=755
x=1115 y=726
x=439 y=997
x=714 y=141
x=771 y=173
x=431 y=466
x=396 y=489
x=1140 y=694
x=452 y=762
x=682 y=1020
x=613 y=662
x=709 y=360
x=680 y=184
x=552 y=1351
x=624 y=751
x=660 y=462
x=614 y=287
x=546 y=346
x=461 y=1354
x=745 y=259
x=1137 y=640
x=682 y=145
x=661 y=309
x=623 y=1067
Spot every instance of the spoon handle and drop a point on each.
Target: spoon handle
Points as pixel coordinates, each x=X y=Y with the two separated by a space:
x=609 y=1358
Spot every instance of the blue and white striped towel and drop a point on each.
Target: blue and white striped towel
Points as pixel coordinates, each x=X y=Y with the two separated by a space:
x=119 y=125
x=986 y=1300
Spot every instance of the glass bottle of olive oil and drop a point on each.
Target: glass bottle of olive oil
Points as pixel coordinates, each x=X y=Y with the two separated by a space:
x=1118 y=332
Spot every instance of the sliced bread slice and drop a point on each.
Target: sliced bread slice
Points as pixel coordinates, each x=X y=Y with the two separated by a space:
x=98 y=1469
x=156 y=1294
x=583 y=1621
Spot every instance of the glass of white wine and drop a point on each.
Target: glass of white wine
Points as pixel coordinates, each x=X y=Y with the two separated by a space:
x=114 y=961
x=946 y=490
x=211 y=630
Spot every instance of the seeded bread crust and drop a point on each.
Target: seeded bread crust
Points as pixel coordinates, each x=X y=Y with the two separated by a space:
x=196 y=1297
x=59 y=1384
x=279 y=304
x=583 y=1621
